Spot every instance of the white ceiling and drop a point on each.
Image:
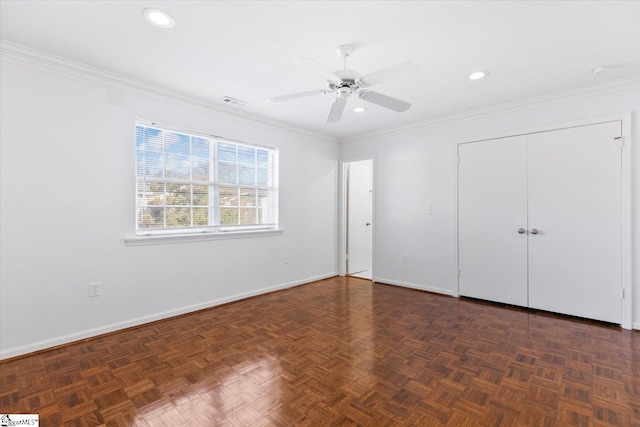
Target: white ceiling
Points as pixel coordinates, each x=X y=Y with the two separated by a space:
x=246 y=49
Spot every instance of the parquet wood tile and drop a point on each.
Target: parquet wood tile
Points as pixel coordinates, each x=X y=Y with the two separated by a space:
x=339 y=352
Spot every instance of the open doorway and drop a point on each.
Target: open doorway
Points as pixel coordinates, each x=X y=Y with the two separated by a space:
x=359 y=225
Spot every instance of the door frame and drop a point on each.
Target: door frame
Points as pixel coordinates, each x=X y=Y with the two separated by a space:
x=343 y=205
x=629 y=136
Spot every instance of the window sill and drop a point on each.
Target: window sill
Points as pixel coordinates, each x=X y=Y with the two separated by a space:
x=199 y=237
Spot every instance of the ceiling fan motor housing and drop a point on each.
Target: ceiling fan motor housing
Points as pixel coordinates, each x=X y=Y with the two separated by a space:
x=344 y=91
x=347 y=75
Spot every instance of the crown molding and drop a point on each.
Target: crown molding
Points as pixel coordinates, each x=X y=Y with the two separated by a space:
x=53 y=64
x=627 y=84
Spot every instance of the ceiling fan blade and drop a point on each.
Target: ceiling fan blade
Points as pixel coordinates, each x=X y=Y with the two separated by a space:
x=613 y=67
x=295 y=95
x=389 y=73
x=337 y=107
x=385 y=101
x=312 y=66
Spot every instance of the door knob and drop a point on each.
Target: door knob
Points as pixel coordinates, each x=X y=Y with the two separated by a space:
x=535 y=231
x=521 y=230
x=368 y=224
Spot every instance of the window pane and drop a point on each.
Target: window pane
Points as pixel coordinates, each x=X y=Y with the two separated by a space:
x=247 y=197
x=247 y=216
x=228 y=196
x=247 y=175
x=201 y=195
x=178 y=217
x=200 y=147
x=228 y=216
x=263 y=207
x=263 y=158
x=199 y=169
x=178 y=194
x=140 y=197
x=227 y=173
x=153 y=140
x=153 y=164
x=263 y=198
x=139 y=137
x=177 y=143
x=156 y=188
x=139 y=163
x=263 y=177
x=246 y=155
x=176 y=167
x=200 y=217
x=226 y=152
x=150 y=217
x=150 y=193
x=263 y=216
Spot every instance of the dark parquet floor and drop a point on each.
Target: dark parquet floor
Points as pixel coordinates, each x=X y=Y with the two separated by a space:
x=339 y=352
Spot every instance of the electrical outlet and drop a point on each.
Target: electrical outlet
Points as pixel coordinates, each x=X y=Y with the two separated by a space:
x=285 y=259
x=94 y=289
x=405 y=258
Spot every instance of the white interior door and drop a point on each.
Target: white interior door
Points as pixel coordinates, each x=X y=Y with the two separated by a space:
x=492 y=207
x=575 y=203
x=359 y=216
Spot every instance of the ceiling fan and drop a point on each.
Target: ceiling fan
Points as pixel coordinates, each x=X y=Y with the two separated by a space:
x=344 y=83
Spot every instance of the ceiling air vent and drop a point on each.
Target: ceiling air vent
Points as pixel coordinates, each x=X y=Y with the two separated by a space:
x=232 y=101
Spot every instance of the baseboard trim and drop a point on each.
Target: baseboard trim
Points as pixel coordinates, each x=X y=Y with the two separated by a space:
x=51 y=343
x=448 y=292
x=635 y=325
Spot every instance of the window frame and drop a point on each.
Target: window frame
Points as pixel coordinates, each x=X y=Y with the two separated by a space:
x=215 y=228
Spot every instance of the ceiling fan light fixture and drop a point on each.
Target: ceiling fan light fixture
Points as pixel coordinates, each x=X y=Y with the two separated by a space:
x=360 y=109
x=478 y=75
x=159 y=18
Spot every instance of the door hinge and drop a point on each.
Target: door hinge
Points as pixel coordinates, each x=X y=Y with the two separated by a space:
x=458 y=160
x=459 y=272
x=624 y=294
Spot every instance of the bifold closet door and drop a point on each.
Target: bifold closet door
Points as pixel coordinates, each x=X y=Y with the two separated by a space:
x=492 y=214
x=574 y=204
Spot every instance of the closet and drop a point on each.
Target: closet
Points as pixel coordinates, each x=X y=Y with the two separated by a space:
x=539 y=221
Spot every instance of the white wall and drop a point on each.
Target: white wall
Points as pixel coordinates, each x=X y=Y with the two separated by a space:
x=68 y=193
x=416 y=167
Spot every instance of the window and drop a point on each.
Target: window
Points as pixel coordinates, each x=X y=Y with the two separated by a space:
x=190 y=183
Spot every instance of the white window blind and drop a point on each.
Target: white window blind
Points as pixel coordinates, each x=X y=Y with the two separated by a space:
x=188 y=183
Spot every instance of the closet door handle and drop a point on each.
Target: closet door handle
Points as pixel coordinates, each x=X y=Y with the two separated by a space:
x=521 y=230
x=535 y=231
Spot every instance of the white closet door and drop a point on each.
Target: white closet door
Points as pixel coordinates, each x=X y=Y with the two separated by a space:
x=575 y=203
x=492 y=206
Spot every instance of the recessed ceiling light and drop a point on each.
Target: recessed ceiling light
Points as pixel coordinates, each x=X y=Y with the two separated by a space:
x=159 y=18
x=360 y=109
x=479 y=74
